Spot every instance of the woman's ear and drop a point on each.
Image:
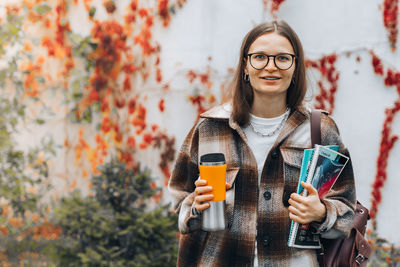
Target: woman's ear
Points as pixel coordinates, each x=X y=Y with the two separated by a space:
x=245 y=70
x=245 y=66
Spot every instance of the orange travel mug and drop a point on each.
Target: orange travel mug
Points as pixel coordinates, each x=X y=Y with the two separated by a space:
x=213 y=170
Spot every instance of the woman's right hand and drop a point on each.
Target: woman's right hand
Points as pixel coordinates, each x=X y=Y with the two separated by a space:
x=203 y=193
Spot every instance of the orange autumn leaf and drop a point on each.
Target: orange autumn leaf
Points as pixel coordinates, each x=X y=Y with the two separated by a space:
x=16 y=222
x=47 y=23
x=158 y=75
x=4 y=230
x=166 y=172
x=35 y=217
x=101 y=144
x=106 y=125
x=163 y=11
x=59 y=52
x=129 y=68
x=118 y=137
x=130 y=18
x=85 y=173
x=105 y=107
x=143 y=12
x=95 y=170
x=204 y=78
x=6 y=211
x=93 y=96
x=73 y=184
x=191 y=75
x=161 y=105
x=131 y=105
x=28 y=3
x=27 y=46
x=40 y=60
x=133 y=5
x=127 y=158
x=91 y=155
x=149 y=21
x=31 y=85
x=131 y=142
x=48 y=43
x=127 y=84
x=148 y=138
x=143 y=146
x=78 y=155
x=154 y=127
x=109 y=5
x=36 y=237
x=83 y=144
x=140 y=124
x=47 y=231
x=12 y=9
x=142 y=112
x=211 y=99
x=142 y=39
x=119 y=102
x=87 y=4
x=157 y=197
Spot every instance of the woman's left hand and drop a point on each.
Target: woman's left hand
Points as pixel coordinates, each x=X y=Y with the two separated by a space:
x=306 y=209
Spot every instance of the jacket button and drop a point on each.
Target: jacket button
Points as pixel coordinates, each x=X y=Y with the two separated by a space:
x=267 y=195
x=285 y=199
x=274 y=154
x=266 y=240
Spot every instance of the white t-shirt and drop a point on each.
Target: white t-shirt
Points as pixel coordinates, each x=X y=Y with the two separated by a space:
x=260 y=146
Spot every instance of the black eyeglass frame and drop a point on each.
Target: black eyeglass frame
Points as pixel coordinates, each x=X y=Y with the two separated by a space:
x=274 y=56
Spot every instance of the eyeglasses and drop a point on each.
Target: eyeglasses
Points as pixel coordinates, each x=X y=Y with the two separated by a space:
x=282 y=61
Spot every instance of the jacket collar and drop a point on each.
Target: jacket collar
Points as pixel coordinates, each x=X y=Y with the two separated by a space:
x=296 y=118
x=222 y=111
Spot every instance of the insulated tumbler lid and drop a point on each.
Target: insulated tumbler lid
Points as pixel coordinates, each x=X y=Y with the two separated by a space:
x=215 y=158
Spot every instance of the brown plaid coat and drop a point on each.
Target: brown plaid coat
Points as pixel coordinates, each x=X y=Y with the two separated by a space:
x=254 y=212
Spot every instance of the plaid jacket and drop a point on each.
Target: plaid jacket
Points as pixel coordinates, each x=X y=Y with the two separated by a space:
x=253 y=212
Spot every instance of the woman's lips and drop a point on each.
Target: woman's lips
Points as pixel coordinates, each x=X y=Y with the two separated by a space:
x=270 y=78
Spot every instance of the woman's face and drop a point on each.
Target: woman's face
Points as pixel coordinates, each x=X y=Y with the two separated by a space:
x=270 y=81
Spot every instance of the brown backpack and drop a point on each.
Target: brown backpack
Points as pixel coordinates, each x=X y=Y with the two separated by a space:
x=354 y=250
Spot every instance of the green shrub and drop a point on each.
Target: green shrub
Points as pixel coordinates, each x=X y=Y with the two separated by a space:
x=116 y=227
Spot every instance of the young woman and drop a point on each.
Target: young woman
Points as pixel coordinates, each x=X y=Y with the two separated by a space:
x=262 y=132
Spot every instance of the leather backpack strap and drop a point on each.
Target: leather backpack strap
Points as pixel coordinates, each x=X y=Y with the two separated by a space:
x=315 y=127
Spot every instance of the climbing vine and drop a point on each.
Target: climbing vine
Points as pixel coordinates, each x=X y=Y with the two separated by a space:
x=388 y=139
x=328 y=84
x=274 y=6
x=391 y=20
x=96 y=80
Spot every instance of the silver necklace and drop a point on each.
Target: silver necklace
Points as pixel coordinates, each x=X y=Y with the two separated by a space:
x=277 y=129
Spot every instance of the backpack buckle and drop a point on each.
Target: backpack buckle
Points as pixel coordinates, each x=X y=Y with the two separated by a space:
x=360 y=258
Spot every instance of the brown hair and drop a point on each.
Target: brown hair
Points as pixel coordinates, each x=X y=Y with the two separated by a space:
x=243 y=93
